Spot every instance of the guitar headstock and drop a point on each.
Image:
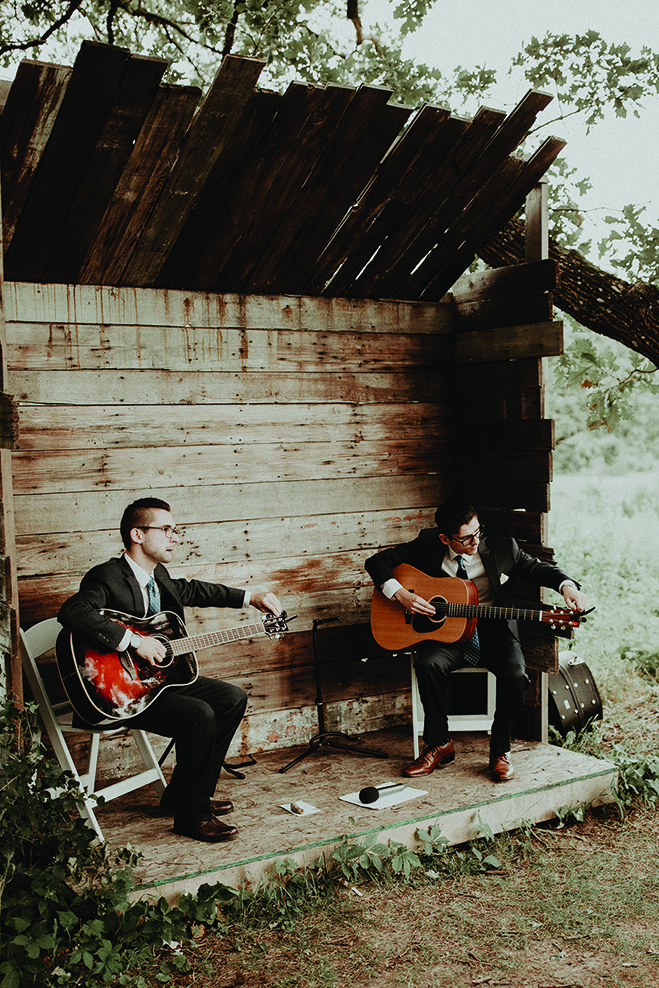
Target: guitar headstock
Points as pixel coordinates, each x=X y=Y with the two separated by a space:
x=274 y=626
x=565 y=618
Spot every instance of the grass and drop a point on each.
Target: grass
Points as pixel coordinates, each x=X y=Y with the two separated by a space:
x=570 y=904
x=605 y=531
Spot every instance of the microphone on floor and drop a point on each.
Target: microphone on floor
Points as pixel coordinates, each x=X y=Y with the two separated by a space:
x=371 y=794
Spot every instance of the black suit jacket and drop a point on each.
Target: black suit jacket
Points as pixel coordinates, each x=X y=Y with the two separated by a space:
x=501 y=556
x=113 y=585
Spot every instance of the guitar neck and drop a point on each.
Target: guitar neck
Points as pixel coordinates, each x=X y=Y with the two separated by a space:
x=180 y=646
x=490 y=611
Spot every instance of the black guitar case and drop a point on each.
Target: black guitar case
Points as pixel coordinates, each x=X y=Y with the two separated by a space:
x=574 y=699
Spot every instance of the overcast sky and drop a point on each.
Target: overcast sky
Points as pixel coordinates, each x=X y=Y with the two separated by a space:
x=621 y=157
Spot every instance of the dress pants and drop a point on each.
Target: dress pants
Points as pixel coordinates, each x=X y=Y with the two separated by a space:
x=502 y=655
x=202 y=718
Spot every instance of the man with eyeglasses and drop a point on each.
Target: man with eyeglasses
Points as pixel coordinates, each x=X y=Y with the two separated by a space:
x=202 y=717
x=458 y=547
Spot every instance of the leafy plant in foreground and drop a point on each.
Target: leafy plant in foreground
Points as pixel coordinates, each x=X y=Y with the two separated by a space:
x=65 y=914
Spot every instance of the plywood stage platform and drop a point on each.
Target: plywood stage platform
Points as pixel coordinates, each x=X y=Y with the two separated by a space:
x=460 y=798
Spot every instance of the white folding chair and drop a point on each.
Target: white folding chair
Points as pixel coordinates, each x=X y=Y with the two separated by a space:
x=57 y=720
x=479 y=719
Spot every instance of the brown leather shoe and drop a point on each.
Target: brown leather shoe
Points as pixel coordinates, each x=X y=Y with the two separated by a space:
x=220 y=807
x=211 y=831
x=429 y=759
x=501 y=767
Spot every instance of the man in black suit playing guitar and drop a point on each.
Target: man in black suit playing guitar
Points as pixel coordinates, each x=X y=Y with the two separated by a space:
x=201 y=717
x=458 y=548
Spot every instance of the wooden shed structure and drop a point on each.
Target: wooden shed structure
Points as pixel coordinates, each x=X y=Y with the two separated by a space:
x=255 y=306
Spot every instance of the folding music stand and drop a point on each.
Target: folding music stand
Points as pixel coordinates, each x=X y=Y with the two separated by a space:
x=328 y=739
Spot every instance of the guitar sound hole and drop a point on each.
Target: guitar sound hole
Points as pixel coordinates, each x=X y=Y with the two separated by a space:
x=169 y=658
x=439 y=603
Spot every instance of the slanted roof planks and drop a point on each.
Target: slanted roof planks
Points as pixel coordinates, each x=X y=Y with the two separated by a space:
x=110 y=177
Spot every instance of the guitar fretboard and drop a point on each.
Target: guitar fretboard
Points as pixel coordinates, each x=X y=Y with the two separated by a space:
x=490 y=611
x=180 y=646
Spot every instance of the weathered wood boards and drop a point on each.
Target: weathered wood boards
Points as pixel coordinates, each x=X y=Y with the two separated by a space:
x=11 y=682
x=32 y=105
x=112 y=178
x=292 y=437
x=293 y=434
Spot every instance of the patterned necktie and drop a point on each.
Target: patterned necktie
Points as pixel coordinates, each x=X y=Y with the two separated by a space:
x=472 y=648
x=154 y=597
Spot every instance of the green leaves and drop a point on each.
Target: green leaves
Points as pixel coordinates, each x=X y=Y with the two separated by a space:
x=638 y=779
x=611 y=380
x=589 y=74
x=412 y=12
x=403 y=861
x=358 y=859
x=633 y=246
x=65 y=915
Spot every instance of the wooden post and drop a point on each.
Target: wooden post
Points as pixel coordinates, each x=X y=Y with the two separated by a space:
x=537 y=249
x=537 y=223
x=9 y=620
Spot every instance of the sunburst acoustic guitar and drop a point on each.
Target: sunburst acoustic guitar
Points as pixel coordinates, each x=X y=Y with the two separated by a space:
x=107 y=687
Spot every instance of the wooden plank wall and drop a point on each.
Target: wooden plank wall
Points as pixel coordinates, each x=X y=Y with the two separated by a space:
x=293 y=436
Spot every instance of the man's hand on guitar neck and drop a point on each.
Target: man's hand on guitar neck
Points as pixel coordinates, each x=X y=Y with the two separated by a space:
x=574 y=599
x=413 y=603
x=152 y=650
x=266 y=602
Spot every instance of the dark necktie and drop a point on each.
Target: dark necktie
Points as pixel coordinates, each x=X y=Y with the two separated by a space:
x=154 y=597
x=472 y=649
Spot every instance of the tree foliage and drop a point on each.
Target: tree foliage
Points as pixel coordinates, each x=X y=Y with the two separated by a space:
x=313 y=40
x=590 y=75
x=618 y=389
x=632 y=247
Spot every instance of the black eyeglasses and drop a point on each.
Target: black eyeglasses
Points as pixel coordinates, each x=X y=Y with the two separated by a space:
x=470 y=539
x=169 y=530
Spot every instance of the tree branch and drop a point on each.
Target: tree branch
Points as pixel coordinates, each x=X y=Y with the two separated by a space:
x=164 y=22
x=628 y=313
x=114 y=6
x=230 y=33
x=55 y=26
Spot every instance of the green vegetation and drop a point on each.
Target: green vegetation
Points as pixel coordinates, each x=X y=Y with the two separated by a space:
x=65 y=915
x=603 y=398
x=604 y=530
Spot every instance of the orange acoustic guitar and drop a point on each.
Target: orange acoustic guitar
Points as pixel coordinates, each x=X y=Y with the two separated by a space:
x=456 y=611
x=107 y=687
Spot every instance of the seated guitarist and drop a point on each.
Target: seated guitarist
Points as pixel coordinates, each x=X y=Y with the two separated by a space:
x=457 y=547
x=202 y=717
